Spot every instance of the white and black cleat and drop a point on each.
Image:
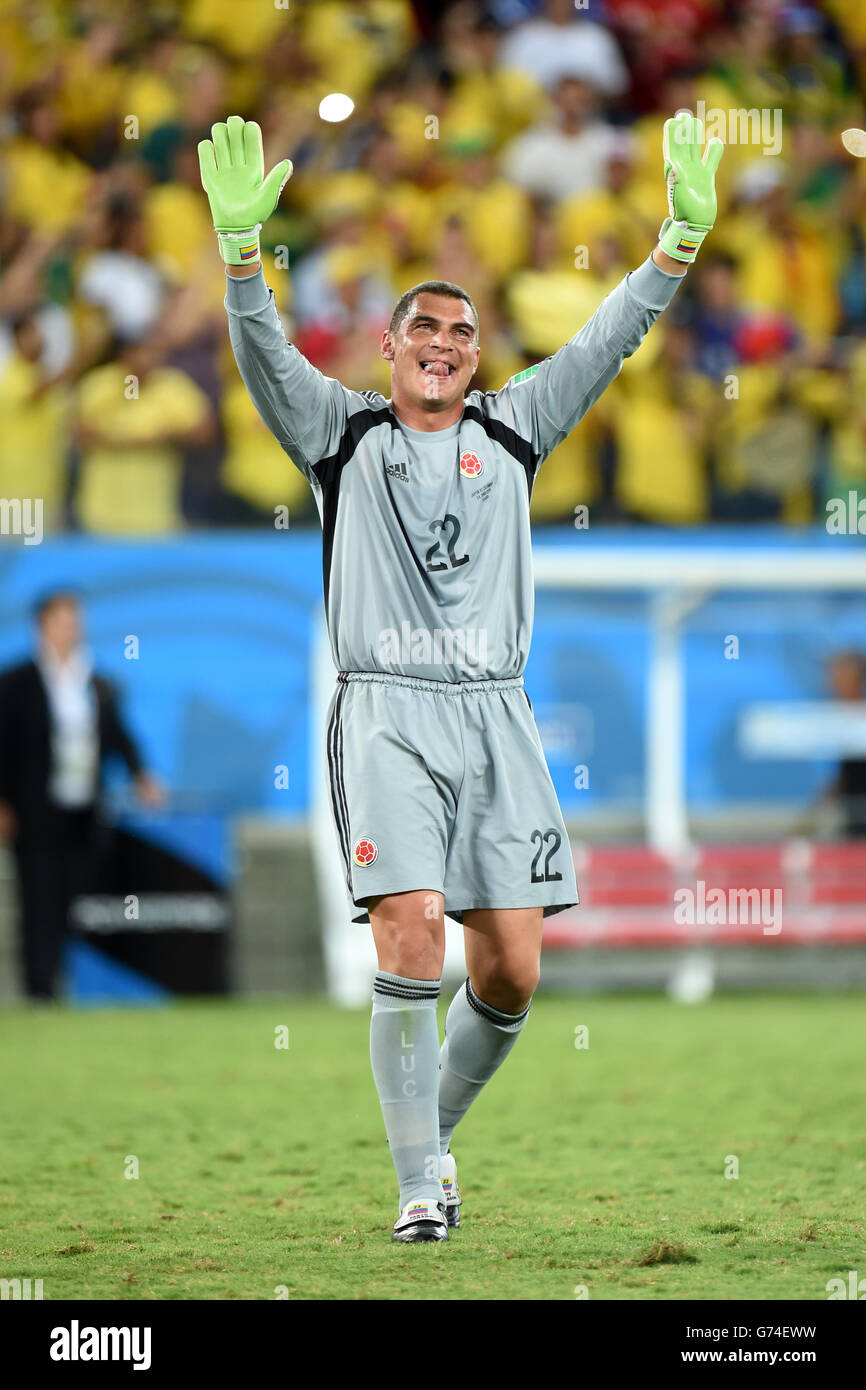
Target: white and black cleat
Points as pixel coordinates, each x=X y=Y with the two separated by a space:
x=421 y=1220
x=450 y=1190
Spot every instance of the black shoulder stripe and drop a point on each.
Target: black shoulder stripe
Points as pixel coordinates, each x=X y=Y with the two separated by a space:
x=328 y=471
x=516 y=445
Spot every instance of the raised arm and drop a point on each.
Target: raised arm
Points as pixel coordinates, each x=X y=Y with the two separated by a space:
x=304 y=410
x=544 y=403
x=232 y=167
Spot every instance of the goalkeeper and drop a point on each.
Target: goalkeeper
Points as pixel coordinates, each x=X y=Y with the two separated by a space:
x=441 y=796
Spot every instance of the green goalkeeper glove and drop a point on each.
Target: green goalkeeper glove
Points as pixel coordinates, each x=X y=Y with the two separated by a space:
x=240 y=197
x=691 y=186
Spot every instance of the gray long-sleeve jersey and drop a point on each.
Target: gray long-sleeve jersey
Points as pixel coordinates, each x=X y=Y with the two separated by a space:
x=426 y=538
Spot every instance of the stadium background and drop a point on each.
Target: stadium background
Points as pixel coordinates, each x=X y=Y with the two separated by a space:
x=537 y=188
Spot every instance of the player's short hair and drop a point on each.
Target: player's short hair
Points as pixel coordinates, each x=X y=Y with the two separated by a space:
x=444 y=287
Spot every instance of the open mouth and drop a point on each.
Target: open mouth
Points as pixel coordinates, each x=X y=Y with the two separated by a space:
x=436 y=367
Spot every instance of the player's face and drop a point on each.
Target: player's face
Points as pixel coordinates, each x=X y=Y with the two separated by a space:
x=61 y=627
x=434 y=352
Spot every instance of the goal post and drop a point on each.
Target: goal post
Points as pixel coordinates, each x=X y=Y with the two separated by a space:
x=674 y=581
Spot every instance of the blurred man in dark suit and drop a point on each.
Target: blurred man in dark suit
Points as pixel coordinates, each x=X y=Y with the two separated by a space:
x=847 y=681
x=58 y=721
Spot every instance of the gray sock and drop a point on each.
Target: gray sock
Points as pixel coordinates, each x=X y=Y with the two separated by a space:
x=404 y=1051
x=478 y=1038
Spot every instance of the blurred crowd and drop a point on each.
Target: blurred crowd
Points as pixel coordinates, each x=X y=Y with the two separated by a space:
x=512 y=146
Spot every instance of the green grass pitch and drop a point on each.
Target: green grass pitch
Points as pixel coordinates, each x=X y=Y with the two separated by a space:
x=264 y=1172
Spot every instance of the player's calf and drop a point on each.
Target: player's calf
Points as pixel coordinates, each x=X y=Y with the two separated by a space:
x=404 y=1051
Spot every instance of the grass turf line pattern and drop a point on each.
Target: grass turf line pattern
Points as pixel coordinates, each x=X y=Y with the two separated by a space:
x=602 y=1167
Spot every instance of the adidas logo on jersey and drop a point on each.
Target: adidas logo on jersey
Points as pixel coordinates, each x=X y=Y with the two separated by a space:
x=398 y=470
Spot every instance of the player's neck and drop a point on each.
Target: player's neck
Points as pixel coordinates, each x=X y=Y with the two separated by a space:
x=416 y=417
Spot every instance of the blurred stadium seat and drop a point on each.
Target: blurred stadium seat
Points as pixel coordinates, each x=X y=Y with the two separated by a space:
x=627 y=896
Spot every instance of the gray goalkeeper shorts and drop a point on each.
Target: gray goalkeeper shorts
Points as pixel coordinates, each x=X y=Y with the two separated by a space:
x=444 y=786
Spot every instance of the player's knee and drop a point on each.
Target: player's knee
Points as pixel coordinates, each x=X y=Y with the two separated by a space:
x=414 y=954
x=408 y=941
x=508 y=987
